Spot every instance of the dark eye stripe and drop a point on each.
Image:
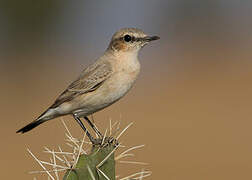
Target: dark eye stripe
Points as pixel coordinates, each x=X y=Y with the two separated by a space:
x=133 y=38
x=138 y=39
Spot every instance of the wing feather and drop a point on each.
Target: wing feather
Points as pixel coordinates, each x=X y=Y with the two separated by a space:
x=89 y=80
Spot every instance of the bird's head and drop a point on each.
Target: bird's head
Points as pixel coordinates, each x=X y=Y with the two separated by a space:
x=129 y=40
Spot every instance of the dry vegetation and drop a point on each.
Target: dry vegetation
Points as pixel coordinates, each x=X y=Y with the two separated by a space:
x=62 y=163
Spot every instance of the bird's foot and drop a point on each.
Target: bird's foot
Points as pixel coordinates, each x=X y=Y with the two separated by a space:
x=104 y=141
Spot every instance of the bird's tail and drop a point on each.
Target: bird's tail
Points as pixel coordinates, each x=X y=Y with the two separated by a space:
x=30 y=126
x=47 y=115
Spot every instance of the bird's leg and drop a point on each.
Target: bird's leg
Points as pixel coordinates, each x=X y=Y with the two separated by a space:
x=93 y=127
x=84 y=128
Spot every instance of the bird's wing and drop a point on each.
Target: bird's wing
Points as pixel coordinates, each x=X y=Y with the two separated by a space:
x=89 y=80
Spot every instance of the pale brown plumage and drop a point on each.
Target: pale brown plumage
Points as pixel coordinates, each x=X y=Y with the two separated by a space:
x=102 y=83
x=89 y=80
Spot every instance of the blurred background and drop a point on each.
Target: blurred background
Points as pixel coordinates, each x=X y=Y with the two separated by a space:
x=191 y=105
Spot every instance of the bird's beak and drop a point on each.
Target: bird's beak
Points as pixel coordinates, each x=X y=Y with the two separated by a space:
x=150 y=38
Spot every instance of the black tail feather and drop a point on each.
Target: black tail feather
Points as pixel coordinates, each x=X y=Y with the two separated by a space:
x=30 y=126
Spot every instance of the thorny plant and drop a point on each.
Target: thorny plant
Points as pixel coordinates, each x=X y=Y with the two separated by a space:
x=61 y=161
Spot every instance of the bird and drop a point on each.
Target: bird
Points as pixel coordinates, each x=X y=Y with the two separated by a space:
x=100 y=84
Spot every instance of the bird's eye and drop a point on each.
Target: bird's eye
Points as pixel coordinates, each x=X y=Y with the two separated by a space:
x=127 y=38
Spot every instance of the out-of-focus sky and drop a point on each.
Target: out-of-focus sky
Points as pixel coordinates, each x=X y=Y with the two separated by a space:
x=191 y=105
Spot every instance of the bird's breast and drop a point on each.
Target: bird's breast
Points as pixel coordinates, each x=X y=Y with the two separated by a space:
x=112 y=89
x=119 y=84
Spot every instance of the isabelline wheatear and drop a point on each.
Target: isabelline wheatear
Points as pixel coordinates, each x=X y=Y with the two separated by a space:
x=102 y=83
